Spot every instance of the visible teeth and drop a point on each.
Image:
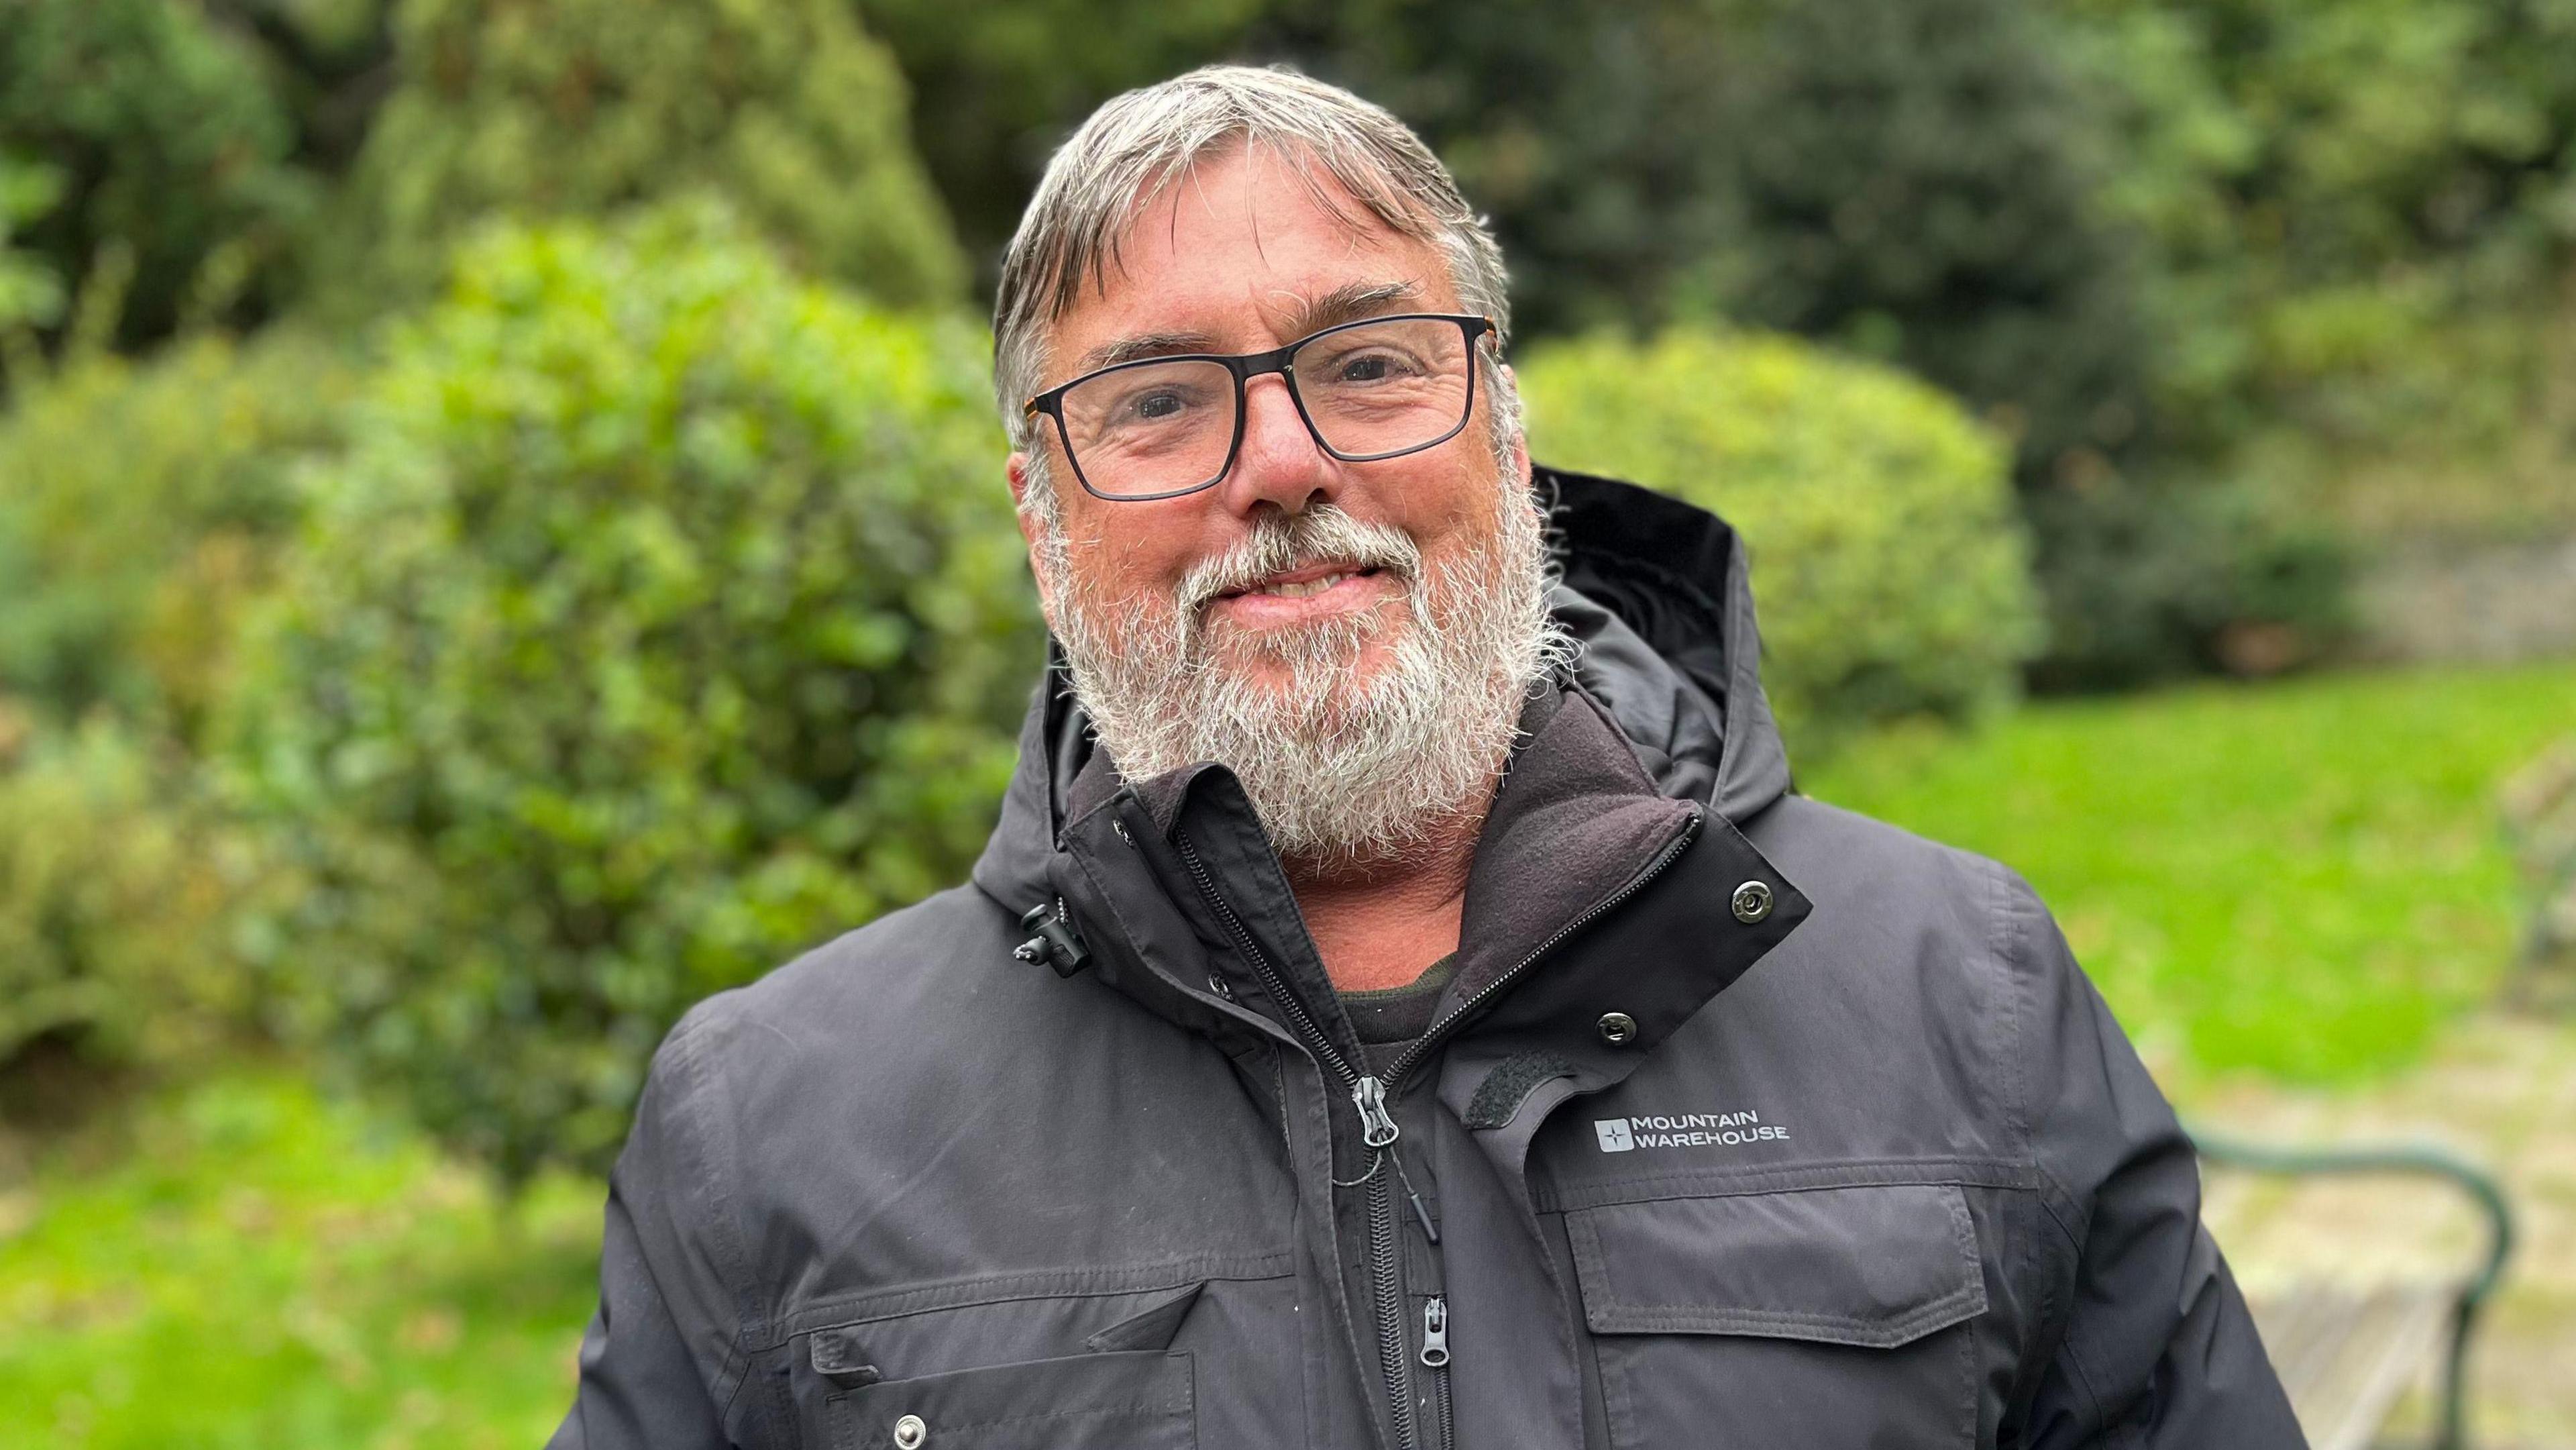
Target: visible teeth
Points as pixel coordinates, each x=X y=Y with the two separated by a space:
x=1301 y=590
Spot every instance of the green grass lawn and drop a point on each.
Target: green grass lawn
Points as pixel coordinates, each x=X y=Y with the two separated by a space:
x=2301 y=878
x=257 y=1267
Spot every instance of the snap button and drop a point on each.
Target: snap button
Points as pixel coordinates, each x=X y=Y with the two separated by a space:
x=1618 y=1028
x=909 y=1432
x=1752 y=902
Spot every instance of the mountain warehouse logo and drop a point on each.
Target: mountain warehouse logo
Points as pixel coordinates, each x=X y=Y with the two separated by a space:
x=1688 y=1130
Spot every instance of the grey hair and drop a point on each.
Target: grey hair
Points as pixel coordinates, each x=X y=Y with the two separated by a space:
x=1136 y=146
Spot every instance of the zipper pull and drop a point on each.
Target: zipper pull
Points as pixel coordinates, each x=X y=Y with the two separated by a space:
x=1435 y=1332
x=1377 y=1126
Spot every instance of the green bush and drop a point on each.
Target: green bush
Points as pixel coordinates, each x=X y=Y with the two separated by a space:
x=1887 y=556
x=666 y=617
x=143 y=504
x=113 y=889
x=577 y=107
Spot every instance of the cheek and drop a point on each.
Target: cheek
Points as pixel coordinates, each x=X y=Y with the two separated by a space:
x=1118 y=552
x=1460 y=509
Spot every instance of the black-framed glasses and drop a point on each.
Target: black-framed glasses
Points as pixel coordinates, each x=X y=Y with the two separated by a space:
x=1165 y=426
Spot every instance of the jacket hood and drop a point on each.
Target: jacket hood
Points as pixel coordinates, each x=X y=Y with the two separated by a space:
x=1658 y=593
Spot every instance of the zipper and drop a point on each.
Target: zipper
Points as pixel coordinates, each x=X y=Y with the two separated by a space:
x=1378 y=1128
x=1388 y=1289
x=1435 y=1358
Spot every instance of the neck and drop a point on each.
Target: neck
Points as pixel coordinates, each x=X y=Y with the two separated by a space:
x=1380 y=924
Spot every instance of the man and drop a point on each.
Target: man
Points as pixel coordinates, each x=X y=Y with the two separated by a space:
x=1402 y=1003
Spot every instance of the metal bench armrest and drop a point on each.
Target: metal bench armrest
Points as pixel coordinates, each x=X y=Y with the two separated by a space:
x=2418 y=1159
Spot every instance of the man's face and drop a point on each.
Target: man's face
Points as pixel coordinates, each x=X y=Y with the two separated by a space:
x=1305 y=619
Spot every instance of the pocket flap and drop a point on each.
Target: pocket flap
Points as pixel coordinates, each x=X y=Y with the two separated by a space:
x=1876 y=1265
x=1152 y=1328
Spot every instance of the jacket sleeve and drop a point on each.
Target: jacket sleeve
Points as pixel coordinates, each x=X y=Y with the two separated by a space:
x=2157 y=1350
x=662 y=1332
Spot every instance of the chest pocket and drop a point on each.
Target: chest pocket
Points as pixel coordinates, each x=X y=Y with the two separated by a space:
x=1826 y=1317
x=1133 y=1400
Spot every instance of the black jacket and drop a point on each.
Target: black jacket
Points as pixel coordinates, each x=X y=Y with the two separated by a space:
x=1745 y=1122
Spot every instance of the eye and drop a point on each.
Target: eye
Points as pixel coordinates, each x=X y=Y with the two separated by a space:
x=1155 y=406
x=1374 y=365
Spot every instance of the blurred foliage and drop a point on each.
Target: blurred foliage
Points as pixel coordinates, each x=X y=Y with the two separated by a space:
x=145 y=503
x=243 y=1262
x=330 y=63
x=2198 y=577
x=2342 y=194
x=1916 y=182
x=1891 y=572
x=31 y=293
x=576 y=107
x=665 y=618
x=170 y=157
x=112 y=895
x=2302 y=879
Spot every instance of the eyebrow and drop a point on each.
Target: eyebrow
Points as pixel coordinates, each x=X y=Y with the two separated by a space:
x=1145 y=345
x=1347 y=303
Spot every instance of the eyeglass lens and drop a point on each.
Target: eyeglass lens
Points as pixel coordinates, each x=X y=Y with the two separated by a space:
x=1387 y=387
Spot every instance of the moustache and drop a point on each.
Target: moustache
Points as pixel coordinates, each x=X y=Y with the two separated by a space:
x=1281 y=543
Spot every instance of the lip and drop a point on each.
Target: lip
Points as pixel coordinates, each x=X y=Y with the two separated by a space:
x=1361 y=588
x=1299 y=576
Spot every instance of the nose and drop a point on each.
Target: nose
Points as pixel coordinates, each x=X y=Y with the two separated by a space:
x=1279 y=463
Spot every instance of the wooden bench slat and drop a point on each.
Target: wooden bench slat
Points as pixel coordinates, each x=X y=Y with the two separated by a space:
x=2345 y=1358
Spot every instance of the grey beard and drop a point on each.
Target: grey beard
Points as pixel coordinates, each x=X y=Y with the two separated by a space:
x=1345 y=774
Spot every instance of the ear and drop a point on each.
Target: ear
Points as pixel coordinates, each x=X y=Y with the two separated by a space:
x=1017 y=470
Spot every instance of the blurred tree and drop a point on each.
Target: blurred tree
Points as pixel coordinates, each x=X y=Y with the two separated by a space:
x=665 y=618
x=577 y=107
x=1892 y=573
x=1918 y=182
x=174 y=195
